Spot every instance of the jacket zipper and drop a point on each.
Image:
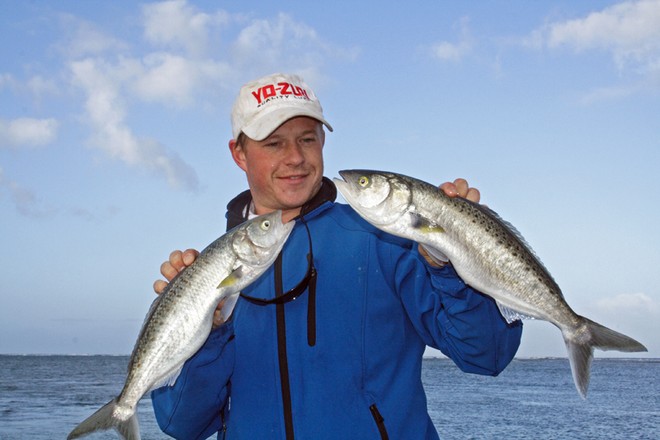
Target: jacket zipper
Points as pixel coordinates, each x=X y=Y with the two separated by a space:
x=380 y=422
x=223 y=412
x=281 y=352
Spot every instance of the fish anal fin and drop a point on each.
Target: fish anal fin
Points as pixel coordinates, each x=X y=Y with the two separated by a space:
x=511 y=315
x=168 y=380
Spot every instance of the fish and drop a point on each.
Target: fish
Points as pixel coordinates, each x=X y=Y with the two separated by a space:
x=181 y=317
x=487 y=252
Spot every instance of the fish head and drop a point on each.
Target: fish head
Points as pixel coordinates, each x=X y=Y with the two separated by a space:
x=379 y=197
x=260 y=240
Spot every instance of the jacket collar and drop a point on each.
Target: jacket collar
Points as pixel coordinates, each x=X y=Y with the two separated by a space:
x=237 y=209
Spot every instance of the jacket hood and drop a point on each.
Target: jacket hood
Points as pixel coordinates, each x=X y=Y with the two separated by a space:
x=237 y=211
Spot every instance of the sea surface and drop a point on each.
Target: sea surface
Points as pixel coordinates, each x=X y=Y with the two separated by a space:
x=44 y=397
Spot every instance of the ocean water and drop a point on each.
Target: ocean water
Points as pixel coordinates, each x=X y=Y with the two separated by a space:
x=44 y=397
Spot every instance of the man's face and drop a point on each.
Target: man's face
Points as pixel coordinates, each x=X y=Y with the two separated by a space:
x=284 y=170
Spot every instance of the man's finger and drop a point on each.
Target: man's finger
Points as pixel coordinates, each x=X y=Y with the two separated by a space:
x=462 y=187
x=189 y=257
x=176 y=260
x=473 y=195
x=168 y=271
x=159 y=286
x=449 y=188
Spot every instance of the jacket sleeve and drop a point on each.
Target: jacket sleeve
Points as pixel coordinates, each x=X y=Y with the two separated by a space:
x=462 y=323
x=192 y=408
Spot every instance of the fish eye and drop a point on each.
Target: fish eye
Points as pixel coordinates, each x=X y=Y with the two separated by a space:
x=363 y=181
x=265 y=225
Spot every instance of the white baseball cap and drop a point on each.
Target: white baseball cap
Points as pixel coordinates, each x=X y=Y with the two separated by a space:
x=265 y=104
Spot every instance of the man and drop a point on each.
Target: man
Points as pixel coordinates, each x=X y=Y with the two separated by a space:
x=337 y=355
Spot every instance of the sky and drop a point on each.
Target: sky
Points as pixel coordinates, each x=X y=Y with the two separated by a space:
x=114 y=123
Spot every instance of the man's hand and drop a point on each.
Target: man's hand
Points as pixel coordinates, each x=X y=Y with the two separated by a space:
x=457 y=188
x=460 y=188
x=177 y=262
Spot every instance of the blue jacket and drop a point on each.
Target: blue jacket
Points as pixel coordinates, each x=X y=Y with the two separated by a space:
x=343 y=360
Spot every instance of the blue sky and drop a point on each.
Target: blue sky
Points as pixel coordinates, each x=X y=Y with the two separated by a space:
x=114 y=122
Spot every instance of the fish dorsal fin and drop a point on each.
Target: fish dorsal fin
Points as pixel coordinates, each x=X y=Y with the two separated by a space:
x=518 y=236
x=513 y=231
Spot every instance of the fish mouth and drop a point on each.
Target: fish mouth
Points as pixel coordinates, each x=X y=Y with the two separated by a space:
x=345 y=188
x=341 y=185
x=358 y=197
x=345 y=181
x=348 y=190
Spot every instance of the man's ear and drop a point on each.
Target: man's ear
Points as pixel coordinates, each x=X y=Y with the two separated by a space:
x=238 y=154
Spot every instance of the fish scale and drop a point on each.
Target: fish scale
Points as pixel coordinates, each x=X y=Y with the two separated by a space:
x=488 y=253
x=180 y=318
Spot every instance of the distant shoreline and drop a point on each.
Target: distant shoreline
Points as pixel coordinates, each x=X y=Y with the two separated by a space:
x=444 y=358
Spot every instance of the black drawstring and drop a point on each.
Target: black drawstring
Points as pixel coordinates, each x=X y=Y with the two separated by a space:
x=307 y=283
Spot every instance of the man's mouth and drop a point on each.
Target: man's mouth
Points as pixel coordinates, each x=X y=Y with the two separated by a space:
x=294 y=178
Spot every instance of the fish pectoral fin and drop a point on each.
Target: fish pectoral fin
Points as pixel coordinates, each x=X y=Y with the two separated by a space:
x=228 y=306
x=232 y=278
x=424 y=224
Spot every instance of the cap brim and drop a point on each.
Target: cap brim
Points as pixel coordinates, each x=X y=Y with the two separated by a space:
x=268 y=123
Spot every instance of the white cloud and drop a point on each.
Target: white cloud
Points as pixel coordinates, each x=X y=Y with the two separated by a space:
x=168 y=78
x=629 y=31
x=105 y=108
x=6 y=80
x=448 y=51
x=38 y=86
x=26 y=202
x=175 y=80
x=283 y=44
x=610 y=93
x=176 y=24
x=629 y=303
x=82 y=38
x=94 y=215
x=27 y=132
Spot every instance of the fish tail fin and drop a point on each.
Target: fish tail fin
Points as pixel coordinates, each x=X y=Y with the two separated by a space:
x=106 y=418
x=581 y=349
x=580 y=356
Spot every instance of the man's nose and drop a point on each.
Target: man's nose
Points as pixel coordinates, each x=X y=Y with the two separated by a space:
x=294 y=154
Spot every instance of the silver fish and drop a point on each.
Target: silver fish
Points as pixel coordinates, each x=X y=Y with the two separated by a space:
x=487 y=253
x=180 y=319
